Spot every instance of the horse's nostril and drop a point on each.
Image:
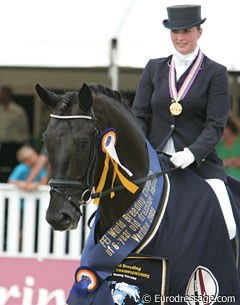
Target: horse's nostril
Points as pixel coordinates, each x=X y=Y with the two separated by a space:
x=60 y=221
x=64 y=219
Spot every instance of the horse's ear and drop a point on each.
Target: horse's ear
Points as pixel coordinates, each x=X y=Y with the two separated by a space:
x=49 y=98
x=85 y=98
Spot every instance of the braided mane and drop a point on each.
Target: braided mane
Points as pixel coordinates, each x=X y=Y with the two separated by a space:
x=115 y=95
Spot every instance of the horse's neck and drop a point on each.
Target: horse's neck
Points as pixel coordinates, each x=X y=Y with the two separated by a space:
x=132 y=153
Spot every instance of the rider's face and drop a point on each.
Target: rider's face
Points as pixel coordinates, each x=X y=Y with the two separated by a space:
x=185 y=41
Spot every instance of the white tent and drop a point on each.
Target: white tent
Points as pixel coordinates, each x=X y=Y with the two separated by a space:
x=77 y=33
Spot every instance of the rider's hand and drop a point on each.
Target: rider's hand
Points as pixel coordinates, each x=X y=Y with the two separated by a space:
x=182 y=158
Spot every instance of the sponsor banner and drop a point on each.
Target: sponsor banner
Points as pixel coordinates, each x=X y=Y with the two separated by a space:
x=28 y=281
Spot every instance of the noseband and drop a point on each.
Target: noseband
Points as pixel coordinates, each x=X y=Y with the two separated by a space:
x=87 y=183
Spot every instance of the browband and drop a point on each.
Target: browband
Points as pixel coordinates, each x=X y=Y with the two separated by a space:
x=67 y=117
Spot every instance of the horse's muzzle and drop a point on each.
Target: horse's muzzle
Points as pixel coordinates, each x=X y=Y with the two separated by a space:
x=61 y=221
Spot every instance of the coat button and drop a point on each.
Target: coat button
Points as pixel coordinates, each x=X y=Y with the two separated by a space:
x=203 y=160
x=172 y=126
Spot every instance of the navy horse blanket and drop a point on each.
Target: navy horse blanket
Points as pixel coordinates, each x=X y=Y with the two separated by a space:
x=194 y=238
x=186 y=257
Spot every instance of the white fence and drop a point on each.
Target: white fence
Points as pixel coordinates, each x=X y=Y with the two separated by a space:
x=25 y=232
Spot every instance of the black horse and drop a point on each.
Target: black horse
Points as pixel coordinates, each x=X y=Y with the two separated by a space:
x=187 y=230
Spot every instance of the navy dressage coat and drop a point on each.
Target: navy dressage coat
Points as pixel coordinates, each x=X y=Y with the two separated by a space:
x=201 y=123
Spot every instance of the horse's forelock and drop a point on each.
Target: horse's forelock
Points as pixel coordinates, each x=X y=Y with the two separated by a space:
x=67 y=100
x=70 y=98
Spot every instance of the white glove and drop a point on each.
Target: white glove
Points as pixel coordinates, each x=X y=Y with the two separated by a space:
x=182 y=158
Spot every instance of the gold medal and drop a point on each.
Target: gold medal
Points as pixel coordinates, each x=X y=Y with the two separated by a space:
x=175 y=108
x=179 y=95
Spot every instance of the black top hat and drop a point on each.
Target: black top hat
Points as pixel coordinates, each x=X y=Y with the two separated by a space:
x=182 y=17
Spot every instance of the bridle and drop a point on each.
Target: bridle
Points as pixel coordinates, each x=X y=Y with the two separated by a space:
x=86 y=183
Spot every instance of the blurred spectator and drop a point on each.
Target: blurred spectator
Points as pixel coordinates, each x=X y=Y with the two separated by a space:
x=229 y=148
x=28 y=158
x=14 y=131
x=40 y=163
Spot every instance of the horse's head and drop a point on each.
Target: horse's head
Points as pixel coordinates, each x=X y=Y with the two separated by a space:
x=70 y=139
x=80 y=124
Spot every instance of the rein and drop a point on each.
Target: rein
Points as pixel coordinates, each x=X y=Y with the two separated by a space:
x=60 y=183
x=137 y=181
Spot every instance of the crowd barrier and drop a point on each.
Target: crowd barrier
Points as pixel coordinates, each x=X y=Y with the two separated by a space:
x=37 y=264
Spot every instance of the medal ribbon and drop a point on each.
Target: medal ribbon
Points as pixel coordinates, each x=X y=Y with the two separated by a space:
x=178 y=96
x=109 y=139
